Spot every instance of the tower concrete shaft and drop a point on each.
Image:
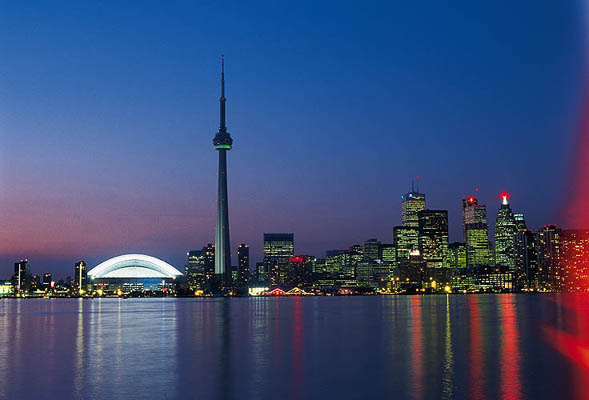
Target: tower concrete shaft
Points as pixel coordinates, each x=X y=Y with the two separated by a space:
x=222 y=143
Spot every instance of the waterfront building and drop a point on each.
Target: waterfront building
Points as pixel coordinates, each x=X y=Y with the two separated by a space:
x=47 y=279
x=22 y=276
x=372 y=250
x=472 y=213
x=526 y=265
x=433 y=237
x=549 y=258
x=299 y=273
x=278 y=248
x=133 y=272
x=209 y=260
x=196 y=270
x=243 y=265
x=406 y=240
x=222 y=143
x=477 y=244
x=520 y=222
x=505 y=229
x=80 y=277
x=456 y=256
x=411 y=204
x=575 y=259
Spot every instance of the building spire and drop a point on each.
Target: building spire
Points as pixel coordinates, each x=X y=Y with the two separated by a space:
x=222 y=126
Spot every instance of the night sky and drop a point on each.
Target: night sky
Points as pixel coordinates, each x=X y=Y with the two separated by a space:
x=107 y=114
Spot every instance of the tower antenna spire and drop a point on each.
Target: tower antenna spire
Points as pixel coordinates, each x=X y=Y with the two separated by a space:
x=222 y=126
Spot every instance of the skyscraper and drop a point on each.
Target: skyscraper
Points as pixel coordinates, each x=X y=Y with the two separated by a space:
x=433 y=237
x=476 y=232
x=411 y=203
x=504 y=234
x=549 y=258
x=525 y=260
x=243 y=264
x=222 y=143
x=472 y=213
x=406 y=240
x=80 y=277
x=22 y=276
x=278 y=248
x=372 y=250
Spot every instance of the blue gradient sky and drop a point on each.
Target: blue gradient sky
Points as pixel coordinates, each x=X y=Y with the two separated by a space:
x=107 y=114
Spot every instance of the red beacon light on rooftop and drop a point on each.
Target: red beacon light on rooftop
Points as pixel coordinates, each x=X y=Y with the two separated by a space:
x=504 y=196
x=471 y=199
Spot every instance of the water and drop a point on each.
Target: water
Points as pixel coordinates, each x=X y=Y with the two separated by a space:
x=457 y=346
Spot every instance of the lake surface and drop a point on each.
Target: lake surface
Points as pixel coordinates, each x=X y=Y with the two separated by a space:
x=418 y=347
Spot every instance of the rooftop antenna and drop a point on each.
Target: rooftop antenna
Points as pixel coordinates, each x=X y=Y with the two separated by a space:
x=417 y=183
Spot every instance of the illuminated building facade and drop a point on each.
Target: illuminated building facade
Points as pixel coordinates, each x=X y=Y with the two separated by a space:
x=299 y=273
x=575 y=259
x=433 y=237
x=411 y=204
x=47 y=279
x=243 y=265
x=477 y=244
x=278 y=248
x=133 y=272
x=549 y=258
x=505 y=229
x=195 y=271
x=22 y=276
x=456 y=255
x=372 y=250
x=406 y=240
x=526 y=264
x=520 y=222
x=80 y=277
x=472 y=213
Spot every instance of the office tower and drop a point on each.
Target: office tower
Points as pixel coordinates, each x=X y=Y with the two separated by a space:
x=520 y=222
x=47 y=281
x=472 y=213
x=222 y=143
x=548 y=255
x=433 y=237
x=243 y=265
x=299 y=272
x=196 y=274
x=505 y=229
x=80 y=277
x=261 y=273
x=35 y=282
x=477 y=244
x=456 y=255
x=406 y=240
x=525 y=269
x=389 y=253
x=574 y=244
x=209 y=260
x=334 y=261
x=356 y=253
x=278 y=248
x=22 y=276
x=411 y=203
x=474 y=219
x=372 y=250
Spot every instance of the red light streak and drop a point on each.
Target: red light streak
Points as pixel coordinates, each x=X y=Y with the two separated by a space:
x=417 y=349
x=510 y=354
x=476 y=379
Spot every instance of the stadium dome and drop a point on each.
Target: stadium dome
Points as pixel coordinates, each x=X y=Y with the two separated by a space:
x=133 y=266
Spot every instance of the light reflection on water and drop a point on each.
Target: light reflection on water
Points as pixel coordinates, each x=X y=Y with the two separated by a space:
x=421 y=347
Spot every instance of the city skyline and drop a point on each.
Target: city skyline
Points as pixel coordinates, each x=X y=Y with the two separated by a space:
x=91 y=171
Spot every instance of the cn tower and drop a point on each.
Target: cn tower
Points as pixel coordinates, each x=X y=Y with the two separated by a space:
x=222 y=143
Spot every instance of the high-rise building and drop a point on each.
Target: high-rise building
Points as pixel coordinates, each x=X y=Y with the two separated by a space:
x=209 y=260
x=372 y=250
x=278 y=248
x=356 y=253
x=299 y=271
x=520 y=222
x=80 y=277
x=477 y=244
x=472 y=213
x=505 y=229
x=389 y=253
x=456 y=255
x=243 y=264
x=549 y=258
x=526 y=265
x=406 y=240
x=411 y=203
x=575 y=259
x=222 y=143
x=196 y=271
x=22 y=276
x=433 y=237
x=47 y=281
